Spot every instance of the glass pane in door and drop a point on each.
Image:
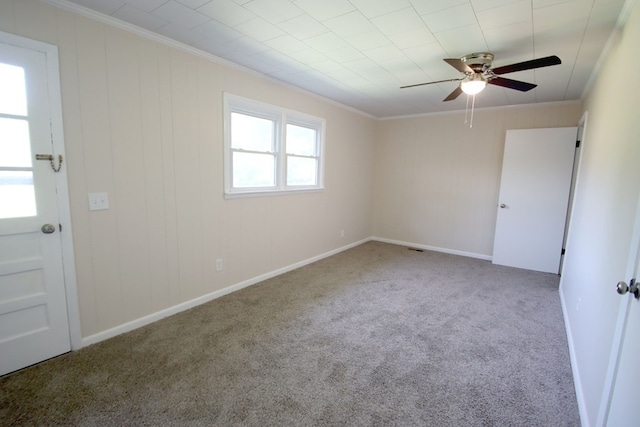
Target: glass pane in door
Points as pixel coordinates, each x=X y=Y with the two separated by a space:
x=17 y=194
x=17 y=191
x=12 y=87
x=15 y=145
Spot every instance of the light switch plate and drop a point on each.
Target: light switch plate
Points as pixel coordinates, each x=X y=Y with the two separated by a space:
x=98 y=201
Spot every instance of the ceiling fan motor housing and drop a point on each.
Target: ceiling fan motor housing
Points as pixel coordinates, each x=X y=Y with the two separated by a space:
x=478 y=62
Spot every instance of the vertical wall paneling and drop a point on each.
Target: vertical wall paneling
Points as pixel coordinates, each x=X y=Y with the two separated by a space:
x=168 y=173
x=249 y=237
x=154 y=183
x=210 y=142
x=97 y=129
x=187 y=169
x=352 y=159
x=128 y=171
x=291 y=230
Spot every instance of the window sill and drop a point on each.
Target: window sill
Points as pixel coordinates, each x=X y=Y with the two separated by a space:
x=245 y=194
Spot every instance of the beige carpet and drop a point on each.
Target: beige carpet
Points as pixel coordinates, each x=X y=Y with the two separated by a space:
x=376 y=335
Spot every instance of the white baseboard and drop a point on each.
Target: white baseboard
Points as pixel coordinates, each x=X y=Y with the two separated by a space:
x=582 y=409
x=434 y=248
x=154 y=317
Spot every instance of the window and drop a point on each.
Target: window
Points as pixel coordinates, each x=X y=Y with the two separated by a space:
x=269 y=149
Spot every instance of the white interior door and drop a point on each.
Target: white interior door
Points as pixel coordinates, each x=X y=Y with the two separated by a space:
x=33 y=310
x=625 y=356
x=626 y=387
x=534 y=193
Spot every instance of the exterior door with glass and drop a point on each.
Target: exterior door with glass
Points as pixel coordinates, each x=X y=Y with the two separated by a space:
x=34 y=324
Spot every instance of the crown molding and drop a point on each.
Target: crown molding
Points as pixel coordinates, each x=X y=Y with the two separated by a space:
x=485 y=109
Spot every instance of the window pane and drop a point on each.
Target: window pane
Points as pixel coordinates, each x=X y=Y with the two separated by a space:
x=301 y=141
x=252 y=133
x=17 y=195
x=15 y=148
x=301 y=171
x=253 y=170
x=12 y=88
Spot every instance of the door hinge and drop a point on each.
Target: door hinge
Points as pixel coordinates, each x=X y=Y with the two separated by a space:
x=60 y=227
x=563 y=251
x=578 y=144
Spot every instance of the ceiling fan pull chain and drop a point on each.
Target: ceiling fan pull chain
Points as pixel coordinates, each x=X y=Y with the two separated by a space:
x=473 y=105
x=466 y=111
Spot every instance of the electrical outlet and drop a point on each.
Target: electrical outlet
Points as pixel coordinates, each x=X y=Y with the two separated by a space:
x=219 y=264
x=341 y=234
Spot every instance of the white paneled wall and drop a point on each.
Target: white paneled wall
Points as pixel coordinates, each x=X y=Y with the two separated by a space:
x=437 y=180
x=143 y=122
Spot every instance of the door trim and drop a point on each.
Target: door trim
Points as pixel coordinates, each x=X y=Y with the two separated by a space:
x=577 y=378
x=61 y=181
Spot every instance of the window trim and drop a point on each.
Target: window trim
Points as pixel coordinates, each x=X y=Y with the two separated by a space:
x=281 y=117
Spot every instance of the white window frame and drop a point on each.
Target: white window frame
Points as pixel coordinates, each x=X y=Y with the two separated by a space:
x=281 y=117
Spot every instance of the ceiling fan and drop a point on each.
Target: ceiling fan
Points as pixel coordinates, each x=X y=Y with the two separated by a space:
x=477 y=71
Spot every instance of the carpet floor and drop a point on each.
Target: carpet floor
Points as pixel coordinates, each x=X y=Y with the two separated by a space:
x=375 y=335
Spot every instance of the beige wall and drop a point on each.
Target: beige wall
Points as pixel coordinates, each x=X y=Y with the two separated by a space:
x=143 y=122
x=437 y=180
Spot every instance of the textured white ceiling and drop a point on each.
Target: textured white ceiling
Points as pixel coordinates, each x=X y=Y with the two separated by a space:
x=359 y=52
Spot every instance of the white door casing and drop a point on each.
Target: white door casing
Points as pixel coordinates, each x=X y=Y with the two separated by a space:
x=534 y=192
x=39 y=315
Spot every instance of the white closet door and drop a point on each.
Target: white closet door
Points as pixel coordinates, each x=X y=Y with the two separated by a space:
x=534 y=194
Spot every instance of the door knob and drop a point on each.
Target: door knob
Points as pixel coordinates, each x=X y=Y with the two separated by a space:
x=502 y=205
x=48 y=228
x=622 y=288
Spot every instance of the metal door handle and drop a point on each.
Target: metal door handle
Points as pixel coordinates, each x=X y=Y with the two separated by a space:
x=48 y=228
x=622 y=288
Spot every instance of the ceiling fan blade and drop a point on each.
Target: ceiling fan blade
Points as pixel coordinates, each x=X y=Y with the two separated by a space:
x=528 y=65
x=459 y=65
x=453 y=95
x=430 y=83
x=512 y=84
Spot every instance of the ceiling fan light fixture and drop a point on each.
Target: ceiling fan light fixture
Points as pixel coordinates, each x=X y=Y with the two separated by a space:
x=473 y=84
